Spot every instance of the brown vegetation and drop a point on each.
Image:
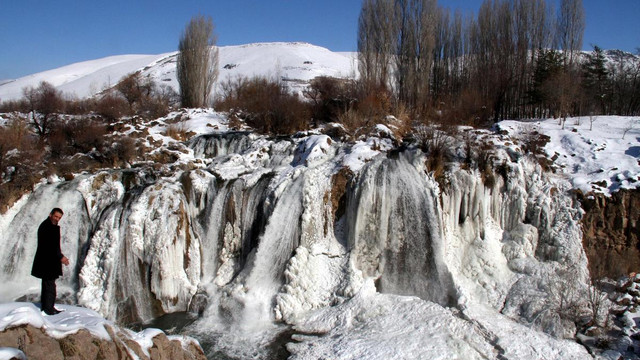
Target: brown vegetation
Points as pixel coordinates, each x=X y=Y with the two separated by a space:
x=265 y=105
x=514 y=59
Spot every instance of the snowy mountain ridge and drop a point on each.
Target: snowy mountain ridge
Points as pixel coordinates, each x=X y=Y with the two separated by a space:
x=296 y=62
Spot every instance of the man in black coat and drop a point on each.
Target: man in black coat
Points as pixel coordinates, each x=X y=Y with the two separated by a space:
x=47 y=264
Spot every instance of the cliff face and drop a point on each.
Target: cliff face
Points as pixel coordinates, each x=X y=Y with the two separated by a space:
x=611 y=227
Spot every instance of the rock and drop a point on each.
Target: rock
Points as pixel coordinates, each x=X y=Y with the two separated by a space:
x=82 y=345
x=611 y=228
x=165 y=349
x=32 y=342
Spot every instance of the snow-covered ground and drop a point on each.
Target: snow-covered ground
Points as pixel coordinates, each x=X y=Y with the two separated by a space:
x=69 y=321
x=599 y=153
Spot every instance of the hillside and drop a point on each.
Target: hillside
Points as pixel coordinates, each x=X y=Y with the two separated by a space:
x=295 y=63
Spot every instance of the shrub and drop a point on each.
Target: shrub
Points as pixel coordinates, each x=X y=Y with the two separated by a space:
x=78 y=135
x=112 y=107
x=122 y=150
x=80 y=106
x=376 y=103
x=436 y=143
x=144 y=97
x=178 y=131
x=330 y=97
x=21 y=106
x=264 y=105
x=355 y=122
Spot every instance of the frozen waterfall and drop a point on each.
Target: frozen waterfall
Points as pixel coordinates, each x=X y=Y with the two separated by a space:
x=260 y=231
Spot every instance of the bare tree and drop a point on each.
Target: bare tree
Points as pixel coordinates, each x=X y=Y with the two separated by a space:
x=592 y=119
x=416 y=42
x=570 y=27
x=375 y=41
x=628 y=126
x=197 y=67
x=45 y=102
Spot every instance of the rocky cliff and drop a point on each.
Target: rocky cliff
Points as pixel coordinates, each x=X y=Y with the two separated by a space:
x=611 y=227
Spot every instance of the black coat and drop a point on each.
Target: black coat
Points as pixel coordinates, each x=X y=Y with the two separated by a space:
x=47 y=264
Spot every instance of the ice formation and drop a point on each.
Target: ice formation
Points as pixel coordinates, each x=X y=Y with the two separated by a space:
x=355 y=241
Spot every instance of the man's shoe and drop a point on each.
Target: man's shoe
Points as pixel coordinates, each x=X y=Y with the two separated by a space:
x=58 y=310
x=52 y=312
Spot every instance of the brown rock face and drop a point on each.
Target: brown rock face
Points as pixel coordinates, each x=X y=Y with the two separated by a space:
x=37 y=345
x=611 y=227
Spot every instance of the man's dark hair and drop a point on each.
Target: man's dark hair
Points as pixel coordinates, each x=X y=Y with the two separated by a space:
x=57 y=210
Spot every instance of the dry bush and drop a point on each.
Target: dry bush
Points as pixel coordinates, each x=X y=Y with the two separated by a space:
x=468 y=108
x=133 y=88
x=355 y=122
x=80 y=106
x=144 y=97
x=330 y=97
x=77 y=135
x=154 y=107
x=401 y=121
x=436 y=142
x=531 y=140
x=122 y=150
x=20 y=168
x=484 y=160
x=178 y=131
x=15 y=134
x=264 y=105
x=112 y=107
x=20 y=106
x=376 y=103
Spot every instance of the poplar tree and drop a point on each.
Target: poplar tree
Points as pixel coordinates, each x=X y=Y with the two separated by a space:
x=197 y=67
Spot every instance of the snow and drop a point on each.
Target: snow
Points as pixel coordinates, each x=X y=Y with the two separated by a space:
x=293 y=63
x=590 y=156
x=364 y=151
x=11 y=353
x=382 y=326
x=82 y=79
x=69 y=321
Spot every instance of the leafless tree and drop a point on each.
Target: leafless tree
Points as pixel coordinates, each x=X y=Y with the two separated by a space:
x=416 y=41
x=592 y=119
x=375 y=42
x=628 y=126
x=598 y=306
x=45 y=103
x=570 y=27
x=197 y=67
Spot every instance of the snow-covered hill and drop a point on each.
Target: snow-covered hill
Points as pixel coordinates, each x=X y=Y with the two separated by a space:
x=295 y=63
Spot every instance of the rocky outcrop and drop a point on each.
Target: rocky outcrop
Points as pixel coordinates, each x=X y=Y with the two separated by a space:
x=36 y=344
x=611 y=227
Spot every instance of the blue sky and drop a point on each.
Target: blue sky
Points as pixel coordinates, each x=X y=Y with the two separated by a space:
x=37 y=35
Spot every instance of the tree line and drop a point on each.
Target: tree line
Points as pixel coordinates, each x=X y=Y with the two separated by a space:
x=515 y=59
